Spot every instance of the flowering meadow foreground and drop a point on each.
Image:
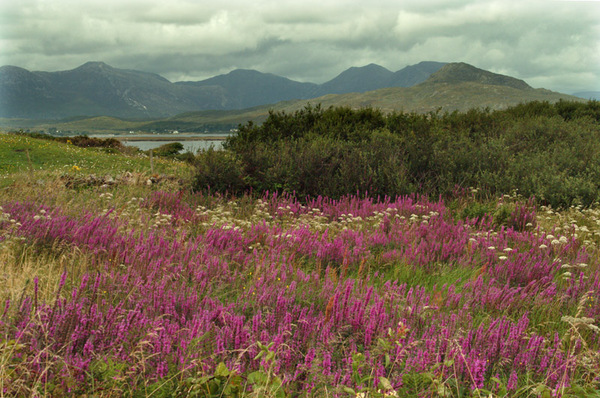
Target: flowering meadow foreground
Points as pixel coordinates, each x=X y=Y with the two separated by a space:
x=176 y=294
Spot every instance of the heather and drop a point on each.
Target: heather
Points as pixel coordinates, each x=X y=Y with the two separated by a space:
x=178 y=294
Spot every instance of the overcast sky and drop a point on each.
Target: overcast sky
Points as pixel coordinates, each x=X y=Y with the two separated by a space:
x=548 y=43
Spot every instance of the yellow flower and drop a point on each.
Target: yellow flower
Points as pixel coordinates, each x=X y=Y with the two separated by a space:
x=75 y=168
x=69 y=142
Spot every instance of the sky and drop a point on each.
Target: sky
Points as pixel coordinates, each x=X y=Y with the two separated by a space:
x=548 y=43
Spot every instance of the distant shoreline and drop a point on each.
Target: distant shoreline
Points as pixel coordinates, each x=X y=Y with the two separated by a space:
x=170 y=137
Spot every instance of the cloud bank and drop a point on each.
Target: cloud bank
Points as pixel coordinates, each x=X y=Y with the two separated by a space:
x=550 y=44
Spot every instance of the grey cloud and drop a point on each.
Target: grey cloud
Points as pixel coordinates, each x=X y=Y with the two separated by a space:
x=549 y=43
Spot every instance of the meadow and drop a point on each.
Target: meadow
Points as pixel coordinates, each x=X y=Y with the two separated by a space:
x=143 y=285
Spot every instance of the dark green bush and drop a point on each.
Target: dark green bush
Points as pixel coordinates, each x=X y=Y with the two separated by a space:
x=169 y=150
x=218 y=171
x=329 y=167
x=550 y=151
x=477 y=211
x=342 y=123
x=186 y=157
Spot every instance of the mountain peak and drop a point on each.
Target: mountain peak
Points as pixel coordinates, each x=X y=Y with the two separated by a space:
x=429 y=66
x=237 y=77
x=94 y=65
x=358 y=79
x=9 y=73
x=415 y=74
x=247 y=72
x=460 y=72
x=370 y=68
x=93 y=68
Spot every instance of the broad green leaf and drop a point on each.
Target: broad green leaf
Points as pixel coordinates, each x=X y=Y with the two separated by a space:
x=222 y=370
x=258 y=377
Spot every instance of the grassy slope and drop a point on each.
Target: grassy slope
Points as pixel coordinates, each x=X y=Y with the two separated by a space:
x=422 y=98
x=23 y=154
x=96 y=124
x=36 y=170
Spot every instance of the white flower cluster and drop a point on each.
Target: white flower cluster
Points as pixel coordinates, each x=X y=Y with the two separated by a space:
x=581 y=321
x=4 y=216
x=6 y=231
x=161 y=219
x=42 y=216
x=574 y=223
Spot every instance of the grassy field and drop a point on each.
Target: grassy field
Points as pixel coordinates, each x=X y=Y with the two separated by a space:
x=20 y=154
x=132 y=285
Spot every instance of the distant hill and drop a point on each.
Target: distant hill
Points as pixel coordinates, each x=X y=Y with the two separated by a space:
x=244 y=88
x=454 y=87
x=26 y=94
x=366 y=78
x=98 y=89
x=373 y=77
x=414 y=74
x=461 y=72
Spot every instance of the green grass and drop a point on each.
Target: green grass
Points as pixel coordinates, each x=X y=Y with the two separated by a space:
x=431 y=279
x=20 y=154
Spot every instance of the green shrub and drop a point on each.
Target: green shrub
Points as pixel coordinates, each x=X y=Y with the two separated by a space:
x=80 y=140
x=477 y=211
x=169 y=150
x=341 y=123
x=186 y=157
x=330 y=167
x=550 y=151
x=218 y=171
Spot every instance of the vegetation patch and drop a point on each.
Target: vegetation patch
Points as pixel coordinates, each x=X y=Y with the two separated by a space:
x=137 y=289
x=547 y=151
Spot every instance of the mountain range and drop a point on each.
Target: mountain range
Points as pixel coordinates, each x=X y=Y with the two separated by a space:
x=454 y=87
x=451 y=87
x=96 y=88
x=119 y=100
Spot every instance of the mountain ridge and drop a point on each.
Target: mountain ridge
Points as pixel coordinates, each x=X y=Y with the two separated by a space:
x=428 y=96
x=352 y=80
x=248 y=87
x=96 y=88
